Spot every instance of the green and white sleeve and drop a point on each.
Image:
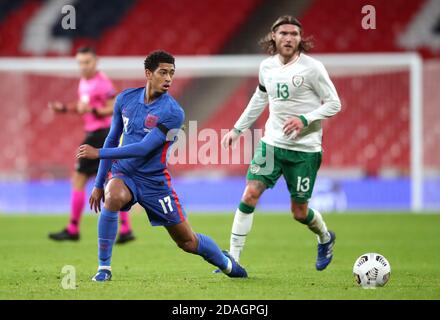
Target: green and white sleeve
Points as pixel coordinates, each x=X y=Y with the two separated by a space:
x=253 y=110
x=255 y=106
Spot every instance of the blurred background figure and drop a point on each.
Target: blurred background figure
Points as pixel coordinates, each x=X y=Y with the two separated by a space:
x=95 y=103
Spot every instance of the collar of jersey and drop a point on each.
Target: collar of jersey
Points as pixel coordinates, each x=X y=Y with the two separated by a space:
x=290 y=63
x=97 y=73
x=142 y=98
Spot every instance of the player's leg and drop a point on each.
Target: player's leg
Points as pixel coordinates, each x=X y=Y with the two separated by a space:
x=244 y=216
x=204 y=246
x=117 y=196
x=300 y=172
x=84 y=169
x=77 y=202
x=125 y=231
x=79 y=182
x=314 y=221
x=163 y=208
x=97 y=139
x=263 y=173
x=312 y=218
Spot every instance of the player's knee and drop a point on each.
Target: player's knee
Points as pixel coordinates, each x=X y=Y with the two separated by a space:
x=251 y=196
x=188 y=246
x=299 y=213
x=114 y=201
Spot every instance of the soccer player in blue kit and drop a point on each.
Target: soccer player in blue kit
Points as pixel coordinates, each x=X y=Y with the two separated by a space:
x=149 y=118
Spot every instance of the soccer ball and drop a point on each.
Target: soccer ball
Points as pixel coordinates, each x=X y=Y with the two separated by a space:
x=371 y=270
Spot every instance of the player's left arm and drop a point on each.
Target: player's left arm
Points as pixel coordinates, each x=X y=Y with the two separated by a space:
x=110 y=93
x=165 y=131
x=107 y=110
x=325 y=89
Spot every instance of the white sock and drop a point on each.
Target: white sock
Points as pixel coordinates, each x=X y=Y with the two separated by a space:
x=240 y=228
x=105 y=268
x=317 y=225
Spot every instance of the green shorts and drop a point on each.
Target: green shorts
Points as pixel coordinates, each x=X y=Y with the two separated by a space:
x=298 y=168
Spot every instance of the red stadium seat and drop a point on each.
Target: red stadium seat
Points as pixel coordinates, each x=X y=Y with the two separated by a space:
x=12 y=28
x=323 y=21
x=202 y=30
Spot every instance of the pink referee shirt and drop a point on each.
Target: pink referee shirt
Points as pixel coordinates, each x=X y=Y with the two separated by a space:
x=96 y=91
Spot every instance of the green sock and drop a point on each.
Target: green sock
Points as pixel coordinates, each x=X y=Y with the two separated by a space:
x=243 y=207
x=316 y=224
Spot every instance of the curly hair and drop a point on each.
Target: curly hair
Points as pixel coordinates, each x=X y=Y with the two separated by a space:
x=153 y=60
x=268 y=44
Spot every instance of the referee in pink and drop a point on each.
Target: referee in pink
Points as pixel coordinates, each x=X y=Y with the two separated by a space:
x=95 y=103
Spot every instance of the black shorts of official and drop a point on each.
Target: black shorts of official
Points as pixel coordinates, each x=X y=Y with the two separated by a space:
x=95 y=139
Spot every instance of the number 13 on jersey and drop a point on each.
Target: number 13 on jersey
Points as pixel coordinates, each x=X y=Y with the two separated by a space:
x=282 y=90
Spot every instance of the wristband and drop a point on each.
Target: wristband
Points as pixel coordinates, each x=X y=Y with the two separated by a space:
x=304 y=120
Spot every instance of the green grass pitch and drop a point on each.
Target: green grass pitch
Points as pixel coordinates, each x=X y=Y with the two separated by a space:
x=279 y=257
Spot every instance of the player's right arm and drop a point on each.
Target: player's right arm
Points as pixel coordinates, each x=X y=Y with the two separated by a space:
x=158 y=136
x=60 y=107
x=112 y=141
x=253 y=110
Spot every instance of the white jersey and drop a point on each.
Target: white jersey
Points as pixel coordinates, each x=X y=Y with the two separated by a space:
x=299 y=88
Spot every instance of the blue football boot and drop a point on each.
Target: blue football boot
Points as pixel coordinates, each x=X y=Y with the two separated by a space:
x=102 y=275
x=237 y=270
x=325 y=252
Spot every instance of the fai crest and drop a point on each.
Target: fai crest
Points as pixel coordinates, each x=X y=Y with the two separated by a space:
x=297 y=81
x=254 y=168
x=151 y=121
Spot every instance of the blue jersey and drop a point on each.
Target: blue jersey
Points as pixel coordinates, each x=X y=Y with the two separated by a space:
x=146 y=136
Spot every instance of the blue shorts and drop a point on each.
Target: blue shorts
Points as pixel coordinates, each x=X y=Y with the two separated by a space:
x=156 y=196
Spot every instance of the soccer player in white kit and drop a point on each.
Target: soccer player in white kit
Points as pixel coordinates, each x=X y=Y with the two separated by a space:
x=300 y=95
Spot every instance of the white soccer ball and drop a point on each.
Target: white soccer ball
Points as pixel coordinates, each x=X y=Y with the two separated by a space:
x=371 y=270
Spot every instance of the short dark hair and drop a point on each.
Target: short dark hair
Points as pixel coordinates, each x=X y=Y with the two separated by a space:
x=268 y=44
x=86 y=49
x=153 y=60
